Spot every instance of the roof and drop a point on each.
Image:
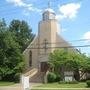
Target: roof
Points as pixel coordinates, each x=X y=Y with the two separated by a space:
x=49 y=10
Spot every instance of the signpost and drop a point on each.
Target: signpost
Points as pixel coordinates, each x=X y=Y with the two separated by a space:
x=68 y=76
x=25 y=82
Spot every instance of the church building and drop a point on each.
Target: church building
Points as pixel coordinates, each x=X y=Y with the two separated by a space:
x=36 y=54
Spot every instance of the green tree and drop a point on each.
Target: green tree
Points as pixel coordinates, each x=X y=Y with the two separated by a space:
x=56 y=58
x=70 y=60
x=11 y=59
x=2 y=25
x=22 y=31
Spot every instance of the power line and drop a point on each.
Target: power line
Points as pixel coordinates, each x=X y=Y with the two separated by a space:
x=80 y=40
x=63 y=42
x=60 y=47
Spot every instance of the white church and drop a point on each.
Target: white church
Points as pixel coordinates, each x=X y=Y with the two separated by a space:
x=36 y=54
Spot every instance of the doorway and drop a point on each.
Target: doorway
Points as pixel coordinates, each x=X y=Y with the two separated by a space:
x=43 y=66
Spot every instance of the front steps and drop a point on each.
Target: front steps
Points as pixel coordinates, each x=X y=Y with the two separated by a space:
x=35 y=76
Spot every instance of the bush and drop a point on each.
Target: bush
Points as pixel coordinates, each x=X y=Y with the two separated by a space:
x=62 y=82
x=88 y=83
x=68 y=82
x=51 y=77
x=73 y=82
x=58 y=77
x=17 y=77
x=83 y=80
x=9 y=78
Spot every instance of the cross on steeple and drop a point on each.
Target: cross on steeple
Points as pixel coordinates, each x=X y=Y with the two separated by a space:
x=49 y=4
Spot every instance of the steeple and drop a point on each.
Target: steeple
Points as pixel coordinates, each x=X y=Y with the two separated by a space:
x=49 y=13
x=49 y=4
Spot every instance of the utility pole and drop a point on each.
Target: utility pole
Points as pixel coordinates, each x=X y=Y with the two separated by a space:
x=45 y=46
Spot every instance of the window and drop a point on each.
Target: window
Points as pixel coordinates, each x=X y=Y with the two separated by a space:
x=30 y=58
x=45 y=16
x=52 y=16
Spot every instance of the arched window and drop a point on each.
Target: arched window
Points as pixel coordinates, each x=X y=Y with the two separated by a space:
x=30 y=58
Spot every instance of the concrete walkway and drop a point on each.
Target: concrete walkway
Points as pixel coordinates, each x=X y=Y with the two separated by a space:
x=17 y=86
x=12 y=87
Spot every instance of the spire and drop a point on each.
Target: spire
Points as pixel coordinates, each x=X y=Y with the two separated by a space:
x=49 y=9
x=49 y=4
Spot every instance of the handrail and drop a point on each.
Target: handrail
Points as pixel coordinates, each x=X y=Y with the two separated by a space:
x=31 y=72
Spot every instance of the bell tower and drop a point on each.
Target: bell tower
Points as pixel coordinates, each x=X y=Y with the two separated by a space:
x=47 y=31
x=48 y=13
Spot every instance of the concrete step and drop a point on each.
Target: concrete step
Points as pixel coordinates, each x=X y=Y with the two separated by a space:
x=37 y=78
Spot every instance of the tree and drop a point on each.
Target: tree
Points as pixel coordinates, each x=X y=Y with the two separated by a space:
x=11 y=59
x=70 y=60
x=2 y=25
x=22 y=32
x=13 y=40
x=55 y=59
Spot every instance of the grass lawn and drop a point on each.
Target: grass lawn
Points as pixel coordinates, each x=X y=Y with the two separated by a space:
x=3 y=83
x=57 y=85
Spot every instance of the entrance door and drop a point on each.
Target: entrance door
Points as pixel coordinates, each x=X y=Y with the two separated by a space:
x=44 y=66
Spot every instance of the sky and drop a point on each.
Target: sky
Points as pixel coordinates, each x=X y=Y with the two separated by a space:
x=73 y=17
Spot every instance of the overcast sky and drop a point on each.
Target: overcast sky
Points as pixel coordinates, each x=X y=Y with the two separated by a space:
x=73 y=16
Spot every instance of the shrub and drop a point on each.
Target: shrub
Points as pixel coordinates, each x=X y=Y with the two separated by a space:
x=17 y=77
x=51 y=77
x=83 y=80
x=58 y=77
x=88 y=83
x=68 y=82
x=9 y=78
x=62 y=82
x=73 y=82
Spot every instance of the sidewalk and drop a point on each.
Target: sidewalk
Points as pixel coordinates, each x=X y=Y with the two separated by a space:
x=17 y=86
x=11 y=87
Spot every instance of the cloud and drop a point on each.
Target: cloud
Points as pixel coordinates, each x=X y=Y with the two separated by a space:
x=16 y=2
x=64 y=30
x=20 y=3
x=69 y=10
x=25 y=12
x=87 y=36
